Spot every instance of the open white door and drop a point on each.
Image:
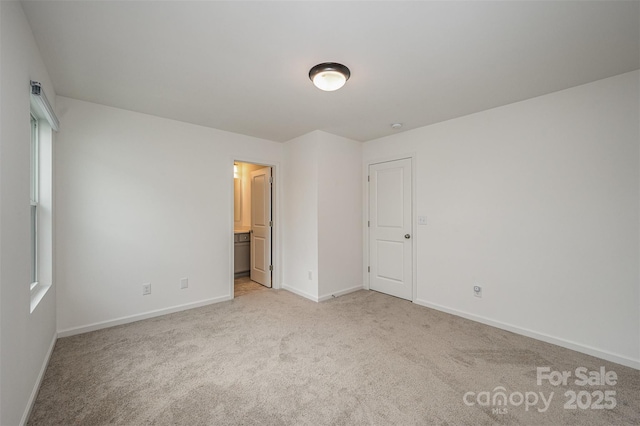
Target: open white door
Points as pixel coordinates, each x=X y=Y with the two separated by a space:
x=261 y=226
x=390 y=246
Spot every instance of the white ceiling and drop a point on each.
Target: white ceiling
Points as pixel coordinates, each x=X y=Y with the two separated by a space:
x=242 y=66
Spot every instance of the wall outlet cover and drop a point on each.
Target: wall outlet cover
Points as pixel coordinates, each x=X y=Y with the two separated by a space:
x=146 y=289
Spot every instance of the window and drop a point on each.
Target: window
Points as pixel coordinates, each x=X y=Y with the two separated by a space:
x=43 y=123
x=34 y=199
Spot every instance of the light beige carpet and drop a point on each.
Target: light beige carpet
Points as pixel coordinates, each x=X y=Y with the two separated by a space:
x=273 y=358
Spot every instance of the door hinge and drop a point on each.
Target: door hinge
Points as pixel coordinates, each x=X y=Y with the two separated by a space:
x=270 y=223
x=271 y=267
x=270 y=179
x=368 y=224
x=368 y=268
x=368 y=178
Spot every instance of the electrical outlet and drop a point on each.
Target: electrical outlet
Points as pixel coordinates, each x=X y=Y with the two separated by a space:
x=184 y=283
x=477 y=291
x=422 y=220
x=146 y=289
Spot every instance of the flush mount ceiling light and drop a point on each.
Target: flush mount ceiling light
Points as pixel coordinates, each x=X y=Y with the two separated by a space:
x=329 y=76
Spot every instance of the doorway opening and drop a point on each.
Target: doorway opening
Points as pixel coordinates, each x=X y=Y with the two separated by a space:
x=253 y=194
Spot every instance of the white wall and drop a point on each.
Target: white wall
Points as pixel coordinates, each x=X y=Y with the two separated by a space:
x=537 y=202
x=339 y=215
x=25 y=338
x=323 y=215
x=300 y=238
x=142 y=199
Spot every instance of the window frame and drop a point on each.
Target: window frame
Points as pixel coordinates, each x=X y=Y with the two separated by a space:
x=34 y=197
x=43 y=124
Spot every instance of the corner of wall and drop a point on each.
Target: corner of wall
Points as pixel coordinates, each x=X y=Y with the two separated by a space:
x=26 y=338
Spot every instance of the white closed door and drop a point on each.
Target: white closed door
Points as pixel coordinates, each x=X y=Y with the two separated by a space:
x=390 y=228
x=261 y=226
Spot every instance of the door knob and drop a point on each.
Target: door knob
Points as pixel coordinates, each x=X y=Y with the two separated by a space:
x=407 y=236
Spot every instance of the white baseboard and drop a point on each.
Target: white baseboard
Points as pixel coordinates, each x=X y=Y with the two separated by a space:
x=339 y=293
x=138 y=317
x=619 y=359
x=321 y=298
x=36 y=386
x=300 y=293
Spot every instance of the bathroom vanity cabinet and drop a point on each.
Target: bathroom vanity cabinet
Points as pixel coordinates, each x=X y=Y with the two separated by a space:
x=242 y=253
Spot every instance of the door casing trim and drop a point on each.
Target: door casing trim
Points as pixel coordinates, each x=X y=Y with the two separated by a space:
x=276 y=236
